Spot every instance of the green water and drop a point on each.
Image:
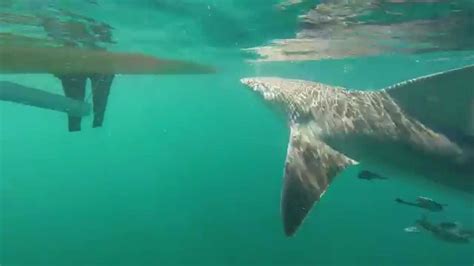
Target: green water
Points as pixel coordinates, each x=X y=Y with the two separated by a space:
x=188 y=170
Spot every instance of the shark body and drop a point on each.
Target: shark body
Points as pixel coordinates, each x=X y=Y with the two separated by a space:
x=424 y=124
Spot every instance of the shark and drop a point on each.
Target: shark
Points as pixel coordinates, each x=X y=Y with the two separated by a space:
x=425 y=124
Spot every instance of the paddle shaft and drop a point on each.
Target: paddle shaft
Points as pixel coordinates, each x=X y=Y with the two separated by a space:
x=17 y=93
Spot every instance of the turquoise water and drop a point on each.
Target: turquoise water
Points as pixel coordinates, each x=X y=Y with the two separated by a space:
x=187 y=169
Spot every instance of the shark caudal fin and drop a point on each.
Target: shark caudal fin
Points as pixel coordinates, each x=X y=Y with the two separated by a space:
x=310 y=167
x=443 y=101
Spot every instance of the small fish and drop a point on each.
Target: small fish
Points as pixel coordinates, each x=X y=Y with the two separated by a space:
x=446 y=231
x=448 y=225
x=368 y=175
x=424 y=203
x=430 y=204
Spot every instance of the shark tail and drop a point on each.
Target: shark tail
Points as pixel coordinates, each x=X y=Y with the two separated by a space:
x=310 y=167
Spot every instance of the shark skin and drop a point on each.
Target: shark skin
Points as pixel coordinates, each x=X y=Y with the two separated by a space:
x=423 y=124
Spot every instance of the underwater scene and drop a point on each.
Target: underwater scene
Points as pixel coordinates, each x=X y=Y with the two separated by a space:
x=236 y=132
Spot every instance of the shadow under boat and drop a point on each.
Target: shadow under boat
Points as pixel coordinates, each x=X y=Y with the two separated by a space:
x=73 y=66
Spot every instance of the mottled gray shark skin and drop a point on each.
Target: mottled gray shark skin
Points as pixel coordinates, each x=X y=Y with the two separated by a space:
x=425 y=125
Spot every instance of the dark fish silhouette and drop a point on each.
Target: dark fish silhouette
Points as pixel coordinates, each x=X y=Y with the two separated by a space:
x=424 y=203
x=368 y=175
x=446 y=231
